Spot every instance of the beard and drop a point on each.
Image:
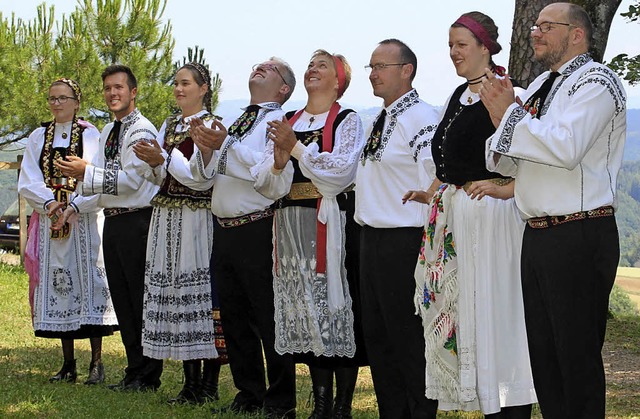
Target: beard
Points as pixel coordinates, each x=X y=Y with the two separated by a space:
x=554 y=55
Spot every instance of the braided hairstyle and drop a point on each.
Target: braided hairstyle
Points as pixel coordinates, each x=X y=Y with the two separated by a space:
x=202 y=76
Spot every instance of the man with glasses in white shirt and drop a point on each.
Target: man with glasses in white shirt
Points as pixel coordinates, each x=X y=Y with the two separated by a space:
x=564 y=147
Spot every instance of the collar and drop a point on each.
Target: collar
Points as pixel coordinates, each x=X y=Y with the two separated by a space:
x=182 y=123
x=403 y=103
x=575 y=63
x=267 y=105
x=133 y=115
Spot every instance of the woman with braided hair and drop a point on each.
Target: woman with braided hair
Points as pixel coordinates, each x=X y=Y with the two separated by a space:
x=178 y=298
x=68 y=288
x=468 y=289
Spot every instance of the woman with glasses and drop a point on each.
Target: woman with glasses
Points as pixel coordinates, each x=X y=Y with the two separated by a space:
x=68 y=288
x=178 y=299
x=316 y=252
x=468 y=273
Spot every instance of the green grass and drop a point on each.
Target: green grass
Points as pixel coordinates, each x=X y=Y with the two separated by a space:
x=26 y=363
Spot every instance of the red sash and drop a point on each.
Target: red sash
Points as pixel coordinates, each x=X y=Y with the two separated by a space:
x=327 y=145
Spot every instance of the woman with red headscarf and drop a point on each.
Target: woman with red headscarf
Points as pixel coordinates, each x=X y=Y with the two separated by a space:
x=315 y=237
x=468 y=274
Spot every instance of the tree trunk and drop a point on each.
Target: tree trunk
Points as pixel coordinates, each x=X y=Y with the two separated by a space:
x=522 y=65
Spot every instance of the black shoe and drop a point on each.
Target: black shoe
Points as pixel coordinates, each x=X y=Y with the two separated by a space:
x=67 y=373
x=96 y=373
x=276 y=413
x=122 y=383
x=138 y=385
x=186 y=395
x=237 y=408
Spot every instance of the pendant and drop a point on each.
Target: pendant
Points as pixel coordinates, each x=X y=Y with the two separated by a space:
x=469 y=100
x=64 y=135
x=311 y=120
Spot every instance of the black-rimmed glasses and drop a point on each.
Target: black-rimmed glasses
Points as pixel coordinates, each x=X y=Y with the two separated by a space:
x=60 y=99
x=271 y=67
x=382 y=66
x=545 y=27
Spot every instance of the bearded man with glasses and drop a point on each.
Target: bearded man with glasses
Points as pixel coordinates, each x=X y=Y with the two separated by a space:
x=564 y=147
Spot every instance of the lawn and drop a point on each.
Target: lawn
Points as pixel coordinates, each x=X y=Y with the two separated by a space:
x=27 y=362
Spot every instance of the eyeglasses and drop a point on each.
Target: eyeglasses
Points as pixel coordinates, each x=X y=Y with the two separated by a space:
x=545 y=27
x=269 y=67
x=381 y=66
x=60 y=99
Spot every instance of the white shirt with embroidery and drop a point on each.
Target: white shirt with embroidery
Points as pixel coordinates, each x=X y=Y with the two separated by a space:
x=229 y=170
x=397 y=166
x=568 y=160
x=118 y=181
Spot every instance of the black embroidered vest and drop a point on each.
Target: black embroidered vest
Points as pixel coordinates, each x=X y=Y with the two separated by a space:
x=306 y=138
x=172 y=193
x=458 y=145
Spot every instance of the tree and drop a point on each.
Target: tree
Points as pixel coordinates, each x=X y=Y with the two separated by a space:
x=522 y=66
x=96 y=34
x=628 y=67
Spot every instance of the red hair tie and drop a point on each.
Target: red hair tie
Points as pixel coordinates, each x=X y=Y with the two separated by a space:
x=341 y=75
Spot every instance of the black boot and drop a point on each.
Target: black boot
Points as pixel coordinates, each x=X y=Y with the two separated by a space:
x=190 y=392
x=210 y=375
x=345 y=385
x=68 y=373
x=96 y=373
x=512 y=412
x=322 y=380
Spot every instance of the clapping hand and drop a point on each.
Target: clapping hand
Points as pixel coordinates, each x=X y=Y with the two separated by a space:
x=207 y=139
x=496 y=95
x=149 y=152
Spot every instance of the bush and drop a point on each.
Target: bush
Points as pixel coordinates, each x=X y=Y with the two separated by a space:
x=620 y=304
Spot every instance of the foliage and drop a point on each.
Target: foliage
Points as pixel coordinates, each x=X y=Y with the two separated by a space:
x=96 y=34
x=628 y=213
x=628 y=67
x=620 y=304
x=522 y=66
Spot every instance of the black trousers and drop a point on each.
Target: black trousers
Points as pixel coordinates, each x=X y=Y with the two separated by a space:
x=242 y=265
x=393 y=333
x=125 y=247
x=567 y=274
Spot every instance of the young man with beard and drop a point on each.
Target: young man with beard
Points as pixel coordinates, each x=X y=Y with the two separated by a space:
x=125 y=197
x=564 y=147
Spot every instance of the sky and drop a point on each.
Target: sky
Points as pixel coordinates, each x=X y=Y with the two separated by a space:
x=237 y=34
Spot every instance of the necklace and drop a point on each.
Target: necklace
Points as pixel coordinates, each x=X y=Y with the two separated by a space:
x=312 y=120
x=476 y=80
x=64 y=135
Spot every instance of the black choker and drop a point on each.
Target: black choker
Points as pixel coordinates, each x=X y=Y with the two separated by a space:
x=476 y=80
